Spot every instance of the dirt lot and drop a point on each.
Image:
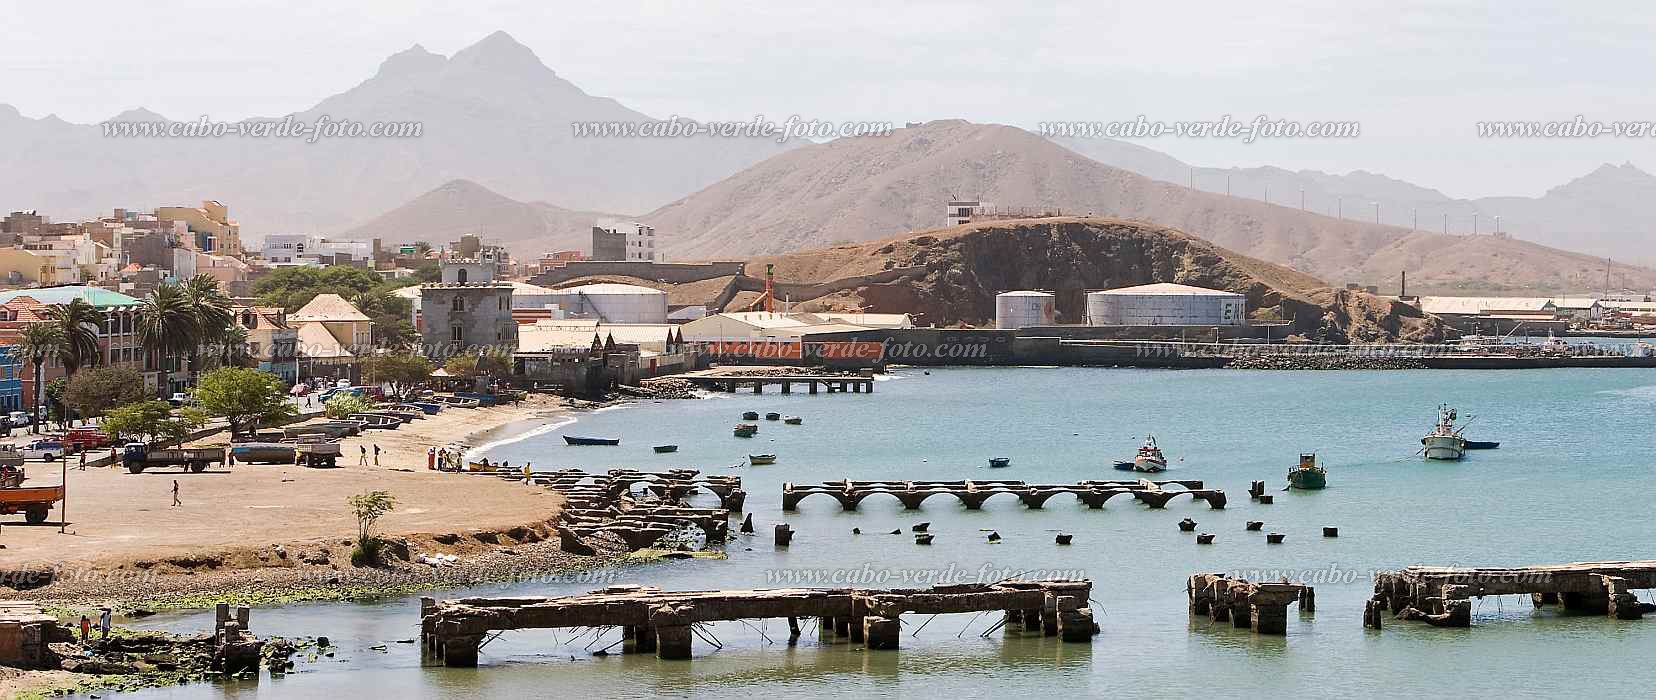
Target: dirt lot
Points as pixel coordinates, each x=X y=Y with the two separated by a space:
x=115 y=517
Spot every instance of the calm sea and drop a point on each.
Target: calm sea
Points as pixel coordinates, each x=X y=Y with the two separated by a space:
x=1569 y=483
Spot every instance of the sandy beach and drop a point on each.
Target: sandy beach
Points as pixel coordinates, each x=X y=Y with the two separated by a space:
x=281 y=516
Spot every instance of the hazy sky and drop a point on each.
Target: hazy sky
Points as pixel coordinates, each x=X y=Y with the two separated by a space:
x=1417 y=75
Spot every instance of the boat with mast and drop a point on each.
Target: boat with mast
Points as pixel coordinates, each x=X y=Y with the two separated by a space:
x=1444 y=442
x=1149 y=458
x=1307 y=475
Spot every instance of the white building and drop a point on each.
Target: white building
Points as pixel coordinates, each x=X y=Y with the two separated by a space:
x=1166 y=305
x=964 y=211
x=306 y=249
x=762 y=325
x=639 y=241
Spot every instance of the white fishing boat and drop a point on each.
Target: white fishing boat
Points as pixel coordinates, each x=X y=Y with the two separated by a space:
x=1444 y=442
x=1149 y=458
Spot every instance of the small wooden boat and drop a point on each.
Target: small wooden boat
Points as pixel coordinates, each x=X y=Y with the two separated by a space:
x=746 y=430
x=418 y=410
x=1307 y=475
x=750 y=415
x=762 y=459
x=456 y=401
x=773 y=416
x=664 y=449
x=999 y=462
x=1123 y=466
x=404 y=417
x=427 y=406
x=1481 y=445
x=578 y=440
x=377 y=421
x=792 y=420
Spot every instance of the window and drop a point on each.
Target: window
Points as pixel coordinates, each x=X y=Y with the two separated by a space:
x=460 y=276
x=459 y=304
x=457 y=334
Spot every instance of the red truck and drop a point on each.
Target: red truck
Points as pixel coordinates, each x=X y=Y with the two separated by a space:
x=82 y=439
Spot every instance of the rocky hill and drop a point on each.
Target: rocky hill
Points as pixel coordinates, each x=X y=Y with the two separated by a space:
x=951 y=276
x=462 y=206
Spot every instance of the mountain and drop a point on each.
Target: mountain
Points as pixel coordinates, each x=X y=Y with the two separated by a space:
x=865 y=188
x=1606 y=213
x=491 y=113
x=462 y=206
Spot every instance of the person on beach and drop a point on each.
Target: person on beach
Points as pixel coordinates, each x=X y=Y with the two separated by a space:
x=528 y=476
x=376 y=455
x=86 y=629
x=176 y=502
x=83 y=460
x=431 y=458
x=104 y=620
x=363 y=460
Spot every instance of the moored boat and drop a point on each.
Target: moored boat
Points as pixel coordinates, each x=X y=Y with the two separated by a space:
x=1481 y=445
x=773 y=415
x=750 y=415
x=746 y=430
x=1307 y=475
x=1149 y=458
x=762 y=459
x=664 y=449
x=792 y=420
x=1444 y=442
x=999 y=462
x=1123 y=466
x=578 y=440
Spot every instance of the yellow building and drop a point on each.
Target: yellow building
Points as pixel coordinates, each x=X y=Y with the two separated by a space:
x=19 y=268
x=215 y=231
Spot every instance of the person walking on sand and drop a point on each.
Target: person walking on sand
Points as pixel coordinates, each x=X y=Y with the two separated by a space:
x=431 y=458
x=363 y=460
x=103 y=623
x=376 y=455
x=83 y=460
x=86 y=629
x=176 y=502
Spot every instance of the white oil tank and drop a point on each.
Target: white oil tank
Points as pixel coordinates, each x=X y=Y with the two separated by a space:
x=612 y=303
x=1014 y=310
x=1166 y=305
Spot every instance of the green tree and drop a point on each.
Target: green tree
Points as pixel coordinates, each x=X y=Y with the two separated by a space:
x=369 y=508
x=343 y=405
x=54 y=402
x=166 y=325
x=401 y=370
x=481 y=365
x=35 y=343
x=92 y=392
x=152 y=421
x=293 y=287
x=247 y=398
x=210 y=309
x=79 y=322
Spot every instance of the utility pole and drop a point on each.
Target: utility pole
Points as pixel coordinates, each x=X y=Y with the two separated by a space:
x=1445 y=223
x=1339 y=206
x=1474 y=223
x=1414 y=214
x=1267 y=194
x=1302 y=199
x=1497 y=225
x=1377 y=212
x=1227 y=185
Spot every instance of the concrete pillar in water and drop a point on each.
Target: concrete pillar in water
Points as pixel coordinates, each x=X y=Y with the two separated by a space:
x=813 y=387
x=1049 y=616
x=1619 y=602
x=842 y=626
x=857 y=628
x=1540 y=599
x=787 y=387
x=460 y=651
x=825 y=628
x=881 y=632
x=640 y=639
x=673 y=641
x=221 y=615
x=784 y=534
x=758 y=387
x=244 y=615
x=1014 y=618
x=1269 y=619
x=1032 y=620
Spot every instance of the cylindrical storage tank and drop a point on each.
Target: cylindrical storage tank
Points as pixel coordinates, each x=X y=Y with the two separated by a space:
x=1014 y=310
x=1166 y=305
x=613 y=303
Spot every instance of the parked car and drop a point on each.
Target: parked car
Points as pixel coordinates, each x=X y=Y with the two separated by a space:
x=179 y=399
x=44 y=449
x=19 y=419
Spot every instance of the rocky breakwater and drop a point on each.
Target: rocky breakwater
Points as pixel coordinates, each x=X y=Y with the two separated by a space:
x=1322 y=362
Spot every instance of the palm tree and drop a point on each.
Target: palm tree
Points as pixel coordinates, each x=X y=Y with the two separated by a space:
x=166 y=325
x=210 y=309
x=35 y=343
x=78 y=321
x=232 y=346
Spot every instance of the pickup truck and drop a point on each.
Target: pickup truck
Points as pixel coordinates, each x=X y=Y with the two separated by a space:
x=44 y=449
x=137 y=457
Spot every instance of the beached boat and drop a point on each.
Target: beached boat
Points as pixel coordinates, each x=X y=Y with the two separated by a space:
x=456 y=401
x=792 y=420
x=750 y=415
x=773 y=416
x=664 y=449
x=1444 y=442
x=377 y=421
x=746 y=430
x=578 y=440
x=762 y=459
x=1149 y=457
x=999 y=462
x=429 y=407
x=1307 y=475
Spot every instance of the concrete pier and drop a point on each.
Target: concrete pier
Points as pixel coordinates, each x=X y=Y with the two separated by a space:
x=973 y=493
x=663 y=621
x=1261 y=607
x=1442 y=596
x=830 y=383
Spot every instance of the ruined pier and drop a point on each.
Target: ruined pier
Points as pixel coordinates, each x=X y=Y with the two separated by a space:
x=828 y=382
x=665 y=622
x=974 y=493
x=1261 y=607
x=1442 y=596
x=606 y=505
